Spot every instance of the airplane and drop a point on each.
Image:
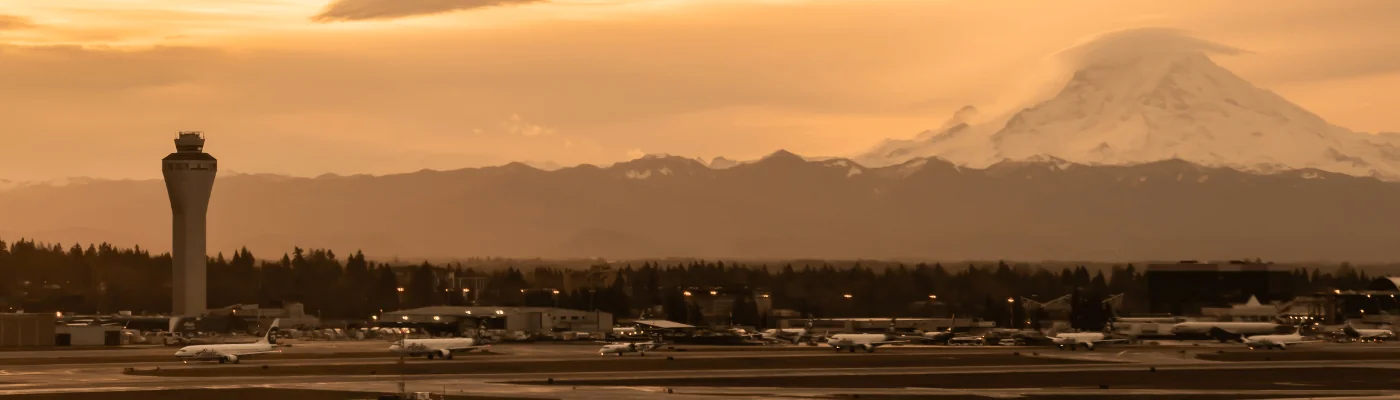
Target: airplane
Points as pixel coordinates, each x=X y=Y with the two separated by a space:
x=434 y=348
x=1368 y=335
x=1233 y=331
x=864 y=341
x=939 y=337
x=229 y=353
x=792 y=335
x=620 y=348
x=1073 y=340
x=1269 y=342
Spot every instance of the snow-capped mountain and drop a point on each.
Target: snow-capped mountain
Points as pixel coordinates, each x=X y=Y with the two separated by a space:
x=1149 y=95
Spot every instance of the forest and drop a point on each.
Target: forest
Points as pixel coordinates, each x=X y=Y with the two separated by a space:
x=104 y=279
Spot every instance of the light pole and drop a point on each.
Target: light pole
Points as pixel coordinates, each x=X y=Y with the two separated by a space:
x=1010 y=312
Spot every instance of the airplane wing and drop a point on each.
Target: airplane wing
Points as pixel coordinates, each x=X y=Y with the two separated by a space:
x=467 y=348
x=890 y=342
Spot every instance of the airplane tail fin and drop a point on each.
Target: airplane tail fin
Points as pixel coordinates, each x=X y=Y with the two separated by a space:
x=1225 y=336
x=267 y=337
x=1351 y=331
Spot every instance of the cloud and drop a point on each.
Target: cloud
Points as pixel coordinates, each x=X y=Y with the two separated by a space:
x=11 y=22
x=364 y=10
x=1134 y=43
x=635 y=154
x=518 y=126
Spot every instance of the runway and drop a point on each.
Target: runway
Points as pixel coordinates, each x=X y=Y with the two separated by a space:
x=552 y=371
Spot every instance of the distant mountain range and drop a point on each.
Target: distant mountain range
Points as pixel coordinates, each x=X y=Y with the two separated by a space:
x=781 y=206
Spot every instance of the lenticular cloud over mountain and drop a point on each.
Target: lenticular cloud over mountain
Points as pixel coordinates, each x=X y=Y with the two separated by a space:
x=1149 y=95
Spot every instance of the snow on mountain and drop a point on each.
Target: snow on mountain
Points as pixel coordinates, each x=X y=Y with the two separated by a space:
x=1148 y=95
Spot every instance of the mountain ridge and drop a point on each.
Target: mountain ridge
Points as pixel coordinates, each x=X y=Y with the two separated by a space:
x=782 y=206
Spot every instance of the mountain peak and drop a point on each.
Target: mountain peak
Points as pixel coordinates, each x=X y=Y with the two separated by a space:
x=782 y=156
x=1145 y=95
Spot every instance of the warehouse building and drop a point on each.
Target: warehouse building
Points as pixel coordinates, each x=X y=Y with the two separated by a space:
x=27 y=329
x=467 y=320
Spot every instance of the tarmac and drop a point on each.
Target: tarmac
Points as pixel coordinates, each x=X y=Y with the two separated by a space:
x=575 y=371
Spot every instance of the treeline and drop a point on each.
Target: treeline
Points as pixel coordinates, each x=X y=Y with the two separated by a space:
x=104 y=279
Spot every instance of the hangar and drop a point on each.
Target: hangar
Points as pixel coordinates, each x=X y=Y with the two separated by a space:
x=466 y=320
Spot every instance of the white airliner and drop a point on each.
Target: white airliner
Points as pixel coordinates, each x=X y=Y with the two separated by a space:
x=864 y=341
x=1206 y=328
x=1368 y=335
x=434 y=348
x=1088 y=340
x=1269 y=342
x=229 y=353
x=620 y=348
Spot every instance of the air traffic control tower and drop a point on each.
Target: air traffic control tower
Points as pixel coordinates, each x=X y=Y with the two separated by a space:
x=189 y=178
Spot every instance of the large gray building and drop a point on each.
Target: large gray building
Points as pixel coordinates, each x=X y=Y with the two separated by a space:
x=460 y=320
x=189 y=179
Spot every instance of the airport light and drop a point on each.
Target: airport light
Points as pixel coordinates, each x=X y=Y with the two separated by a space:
x=1010 y=300
x=400 y=290
x=556 y=291
x=437 y=318
x=464 y=290
x=687 y=293
x=1336 y=291
x=848 y=295
x=765 y=295
x=374 y=317
x=405 y=318
x=933 y=297
x=522 y=290
x=714 y=292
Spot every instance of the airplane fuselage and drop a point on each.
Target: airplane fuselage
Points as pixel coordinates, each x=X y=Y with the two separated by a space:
x=853 y=341
x=623 y=348
x=1202 y=329
x=432 y=347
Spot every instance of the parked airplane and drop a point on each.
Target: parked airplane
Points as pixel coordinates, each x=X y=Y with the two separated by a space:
x=864 y=341
x=434 y=348
x=620 y=348
x=791 y=335
x=1368 y=335
x=939 y=337
x=229 y=353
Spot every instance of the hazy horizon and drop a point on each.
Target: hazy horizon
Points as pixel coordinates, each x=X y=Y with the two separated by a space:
x=309 y=87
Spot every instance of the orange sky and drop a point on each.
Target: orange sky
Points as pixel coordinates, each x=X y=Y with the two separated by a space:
x=99 y=87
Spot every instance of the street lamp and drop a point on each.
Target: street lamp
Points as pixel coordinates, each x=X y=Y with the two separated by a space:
x=400 y=290
x=556 y=291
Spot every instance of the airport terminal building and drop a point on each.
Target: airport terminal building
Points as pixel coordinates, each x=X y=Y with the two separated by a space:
x=466 y=320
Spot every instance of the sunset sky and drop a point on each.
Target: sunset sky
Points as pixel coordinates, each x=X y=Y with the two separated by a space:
x=98 y=88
